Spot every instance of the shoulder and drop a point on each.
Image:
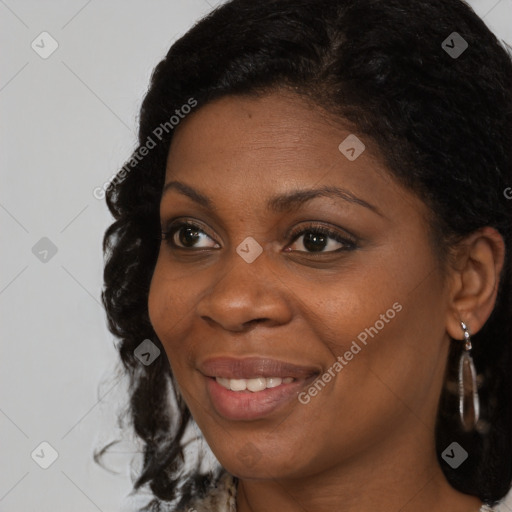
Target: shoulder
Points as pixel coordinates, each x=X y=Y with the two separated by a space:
x=221 y=497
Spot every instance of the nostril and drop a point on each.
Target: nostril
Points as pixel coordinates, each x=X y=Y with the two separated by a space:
x=255 y=321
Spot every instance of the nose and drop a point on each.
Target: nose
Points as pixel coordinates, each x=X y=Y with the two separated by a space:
x=244 y=295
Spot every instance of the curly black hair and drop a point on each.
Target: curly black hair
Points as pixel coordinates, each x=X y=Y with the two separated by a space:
x=443 y=123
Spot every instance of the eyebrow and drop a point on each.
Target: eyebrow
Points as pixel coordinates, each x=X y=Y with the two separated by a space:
x=279 y=203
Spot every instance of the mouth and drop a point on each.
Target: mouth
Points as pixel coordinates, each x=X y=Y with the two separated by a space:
x=253 y=385
x=253 y=388
x=254 y=368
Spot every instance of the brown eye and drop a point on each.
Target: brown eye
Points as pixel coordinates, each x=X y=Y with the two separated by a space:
x=185 y=235
x=318 y=238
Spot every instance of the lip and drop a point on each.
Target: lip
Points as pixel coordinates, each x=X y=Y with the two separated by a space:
x=252 y=367
x=248 y=405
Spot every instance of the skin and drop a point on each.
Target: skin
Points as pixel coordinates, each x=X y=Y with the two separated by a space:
x=366 y=441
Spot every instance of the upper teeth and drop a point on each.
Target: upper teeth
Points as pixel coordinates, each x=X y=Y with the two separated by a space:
x=257 y=384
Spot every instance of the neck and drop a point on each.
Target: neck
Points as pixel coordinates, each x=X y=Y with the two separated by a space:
x=404 y=476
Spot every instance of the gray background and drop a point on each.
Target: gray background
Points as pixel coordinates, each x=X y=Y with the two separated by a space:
x=68 y=123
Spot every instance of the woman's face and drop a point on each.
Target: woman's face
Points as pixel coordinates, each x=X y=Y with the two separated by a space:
x=256 y=293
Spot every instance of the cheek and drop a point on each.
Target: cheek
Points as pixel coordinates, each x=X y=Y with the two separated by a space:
x=387 y=320
x=168 y=305
x=172 y=301
x=394 y=358
x=356 y=307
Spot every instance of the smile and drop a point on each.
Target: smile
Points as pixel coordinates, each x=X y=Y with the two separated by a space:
x=253 y=388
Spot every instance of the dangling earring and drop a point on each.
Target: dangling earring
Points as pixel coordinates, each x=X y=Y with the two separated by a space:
x=469 y=403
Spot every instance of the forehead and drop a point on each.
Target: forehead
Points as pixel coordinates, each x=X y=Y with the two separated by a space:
x=280 y=127
x=248 y=148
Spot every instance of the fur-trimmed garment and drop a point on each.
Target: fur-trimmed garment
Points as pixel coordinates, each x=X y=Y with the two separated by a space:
x=221 y=497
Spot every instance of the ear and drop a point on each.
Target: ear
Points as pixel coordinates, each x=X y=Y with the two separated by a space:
x=476 y=272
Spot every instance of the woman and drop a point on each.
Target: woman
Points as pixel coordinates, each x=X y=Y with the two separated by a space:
x=314 y=234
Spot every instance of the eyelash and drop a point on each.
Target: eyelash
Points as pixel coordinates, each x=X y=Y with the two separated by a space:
x=349 y=243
